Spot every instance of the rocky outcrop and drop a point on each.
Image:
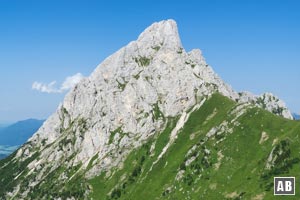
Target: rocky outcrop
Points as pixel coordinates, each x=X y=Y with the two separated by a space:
x=267 y=101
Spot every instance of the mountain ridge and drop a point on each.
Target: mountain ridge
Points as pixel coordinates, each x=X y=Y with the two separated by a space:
x=14 y=135
x=149 y=87
x=24 y=129
x=296 y=116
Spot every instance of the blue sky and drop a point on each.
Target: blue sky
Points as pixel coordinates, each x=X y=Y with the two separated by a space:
x=252 y=45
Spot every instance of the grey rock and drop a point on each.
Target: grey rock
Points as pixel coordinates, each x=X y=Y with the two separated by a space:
x=126 y=100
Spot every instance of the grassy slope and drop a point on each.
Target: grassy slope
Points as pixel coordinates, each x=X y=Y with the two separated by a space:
x=241 y=172
x=240 y=157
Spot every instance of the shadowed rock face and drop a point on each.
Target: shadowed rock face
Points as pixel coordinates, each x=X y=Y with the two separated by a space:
x=126 y=100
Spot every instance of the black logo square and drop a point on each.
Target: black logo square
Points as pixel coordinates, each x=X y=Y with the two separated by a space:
x=284 y=185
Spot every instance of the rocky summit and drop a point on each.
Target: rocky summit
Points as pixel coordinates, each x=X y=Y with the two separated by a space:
x=155 y=122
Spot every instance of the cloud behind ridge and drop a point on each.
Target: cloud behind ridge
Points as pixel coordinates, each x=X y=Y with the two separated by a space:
x=69 y=83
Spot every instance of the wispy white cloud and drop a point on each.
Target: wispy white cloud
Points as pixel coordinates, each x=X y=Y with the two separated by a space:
x=69 y=83
x=47 y=88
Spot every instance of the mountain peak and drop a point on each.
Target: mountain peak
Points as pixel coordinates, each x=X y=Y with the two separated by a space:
x=163 y=33
x=148 y=89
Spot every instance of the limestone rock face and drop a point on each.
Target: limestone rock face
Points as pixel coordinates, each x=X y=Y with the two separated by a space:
x=267 y=101
x=152 y=74
x=126 y=100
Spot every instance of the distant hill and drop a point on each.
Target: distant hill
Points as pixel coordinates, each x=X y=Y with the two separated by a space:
x=3 y=125
x=296 y=116
x=20 y=132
